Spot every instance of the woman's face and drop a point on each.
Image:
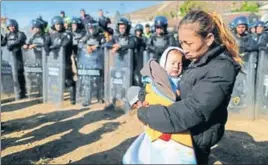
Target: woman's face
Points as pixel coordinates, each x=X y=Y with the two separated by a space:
x=193 y=44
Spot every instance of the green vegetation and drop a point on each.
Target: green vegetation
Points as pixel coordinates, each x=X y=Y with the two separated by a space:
x=248 y=6
x=188 y=6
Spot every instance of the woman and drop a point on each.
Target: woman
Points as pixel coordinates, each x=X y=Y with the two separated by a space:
x=206 y=84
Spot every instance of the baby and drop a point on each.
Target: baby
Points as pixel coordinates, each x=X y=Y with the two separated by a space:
x=171 y=62
x=161 y=84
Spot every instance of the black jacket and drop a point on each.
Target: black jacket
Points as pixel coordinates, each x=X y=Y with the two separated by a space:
x=99 y=38
x=60 y=39
x=168 y=39
x=87 y=19
x=206 y=88
x=263 y=41
x=44 y=36
x=246 y=43
x=140 y=43
x=123 y=48
x=14 y=41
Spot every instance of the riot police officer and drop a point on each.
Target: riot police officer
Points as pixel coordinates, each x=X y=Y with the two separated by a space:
x=140 y=41
x=232 y=26
x=123 y=41
x=14 y=40
x=160 y=39
x=57 y=24
x=110 y=33
x=94 y=40
x=252 y=27
x=147 y=31
x=103 y=23
x=93 y=36
x=78 y=32
x=34 y=59
x=45 y=23
x=67 y=24
x=38 y=29
x=244 y=40
x=152 y=30
x=260 y=27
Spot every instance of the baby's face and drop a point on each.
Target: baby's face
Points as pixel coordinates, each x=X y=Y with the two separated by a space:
x=174 y=63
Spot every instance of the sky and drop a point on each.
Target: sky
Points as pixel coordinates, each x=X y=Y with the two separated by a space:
x=25 y=11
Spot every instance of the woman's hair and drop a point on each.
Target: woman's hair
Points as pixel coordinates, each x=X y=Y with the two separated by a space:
x=213 y=23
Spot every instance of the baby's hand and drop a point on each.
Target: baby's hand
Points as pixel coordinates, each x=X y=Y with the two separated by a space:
x=145 y=104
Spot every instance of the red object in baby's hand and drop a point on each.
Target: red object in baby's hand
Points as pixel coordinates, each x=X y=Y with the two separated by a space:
x=165 y=137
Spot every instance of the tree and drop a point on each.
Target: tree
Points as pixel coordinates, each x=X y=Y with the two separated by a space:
x=248 y=6
x=188 y=6
x=172 y=14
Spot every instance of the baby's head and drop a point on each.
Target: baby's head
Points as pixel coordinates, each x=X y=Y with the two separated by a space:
x=171 y=61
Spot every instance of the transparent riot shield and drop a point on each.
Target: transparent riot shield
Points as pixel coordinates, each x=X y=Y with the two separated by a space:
x=147 y=56
x=55 y=76
x=33 y=67
x=242 y=101
x=262 y=85
x=118 y=77
x=7 y=84
x=90 y=75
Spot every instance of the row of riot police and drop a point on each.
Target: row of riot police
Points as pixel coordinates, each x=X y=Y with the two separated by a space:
x=106 y=64
x=250 y=93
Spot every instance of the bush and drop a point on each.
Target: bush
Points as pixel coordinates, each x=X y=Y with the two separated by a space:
x=188 y=6
x=249 y=7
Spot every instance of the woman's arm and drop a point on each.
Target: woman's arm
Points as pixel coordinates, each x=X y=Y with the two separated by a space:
x=208 y=94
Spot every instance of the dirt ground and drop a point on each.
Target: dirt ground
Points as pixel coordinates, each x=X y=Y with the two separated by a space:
x=35 y=133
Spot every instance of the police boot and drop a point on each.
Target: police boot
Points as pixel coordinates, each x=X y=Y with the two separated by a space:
x=22 y=94
x=100 y=91
x=22 y=88
x=101 y=94
x=73 y=94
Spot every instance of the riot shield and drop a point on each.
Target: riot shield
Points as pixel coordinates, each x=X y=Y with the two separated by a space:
x=54 y=79
x=32 y=59
x=90 y=75
x=242 y=101
x=147 y=56
x=7 y=84
x=262 y=85
x=118 y=77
